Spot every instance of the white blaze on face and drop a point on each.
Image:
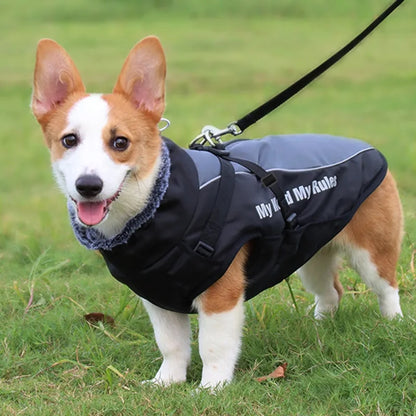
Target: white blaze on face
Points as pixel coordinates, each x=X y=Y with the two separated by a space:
x=87 y=120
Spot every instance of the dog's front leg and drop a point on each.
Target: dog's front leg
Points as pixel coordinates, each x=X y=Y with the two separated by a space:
x=221 y=319
x=219 y=344
x=173 y=337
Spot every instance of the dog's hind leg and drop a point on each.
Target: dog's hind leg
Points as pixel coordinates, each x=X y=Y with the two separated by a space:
x=319 y=276
x=379 y=281
x=372 y=242
x=173 y=337
x=221 y=318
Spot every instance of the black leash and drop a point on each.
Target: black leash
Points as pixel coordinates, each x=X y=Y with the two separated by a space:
x=211 y=135
x=210 y=140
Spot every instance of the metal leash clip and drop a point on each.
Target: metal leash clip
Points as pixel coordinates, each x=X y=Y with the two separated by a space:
x=211 y=135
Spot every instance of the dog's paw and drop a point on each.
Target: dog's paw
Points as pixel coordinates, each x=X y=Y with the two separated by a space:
x=170 y=372
x=325 y=307
x=322 y=314
x=211 y=389
x=164 y=378
x=213 y=384
x=159 y=382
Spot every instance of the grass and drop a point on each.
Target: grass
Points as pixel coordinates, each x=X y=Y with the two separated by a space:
x=223 y=59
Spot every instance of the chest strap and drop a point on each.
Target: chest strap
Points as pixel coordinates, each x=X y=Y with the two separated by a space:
x=216 y=220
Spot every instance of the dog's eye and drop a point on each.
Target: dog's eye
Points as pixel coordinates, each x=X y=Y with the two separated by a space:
x=69 y=141
x=120 y=143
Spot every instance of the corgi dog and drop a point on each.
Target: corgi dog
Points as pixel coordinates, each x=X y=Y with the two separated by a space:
x=113 y=166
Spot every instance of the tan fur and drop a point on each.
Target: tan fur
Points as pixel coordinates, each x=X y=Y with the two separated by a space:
x=124 y=120
x=377 y=226
x=142 y=77
x=224 y=294
x=137 y=126
x=55 y=79
x=55 y=123
x=338 y=286
x=57 y=86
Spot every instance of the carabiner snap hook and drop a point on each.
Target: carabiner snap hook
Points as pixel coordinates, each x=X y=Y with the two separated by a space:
x=212 y=135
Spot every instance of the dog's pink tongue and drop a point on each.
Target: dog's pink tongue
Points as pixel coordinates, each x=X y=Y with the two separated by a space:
x=91 y=213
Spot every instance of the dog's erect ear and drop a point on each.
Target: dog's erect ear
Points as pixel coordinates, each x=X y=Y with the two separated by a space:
x=56 y=77
x=142 y=78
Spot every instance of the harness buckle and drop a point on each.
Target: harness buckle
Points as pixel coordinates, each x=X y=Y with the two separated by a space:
x=292 y=221
x=268 y=180
x=290 y=218
x=204 y=249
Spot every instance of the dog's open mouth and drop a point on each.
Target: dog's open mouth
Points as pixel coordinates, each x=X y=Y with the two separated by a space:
x=92 y=213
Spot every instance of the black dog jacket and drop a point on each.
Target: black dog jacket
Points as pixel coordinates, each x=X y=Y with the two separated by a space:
x=213 y=206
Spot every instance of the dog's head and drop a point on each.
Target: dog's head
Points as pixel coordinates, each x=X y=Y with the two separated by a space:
x=104 y=148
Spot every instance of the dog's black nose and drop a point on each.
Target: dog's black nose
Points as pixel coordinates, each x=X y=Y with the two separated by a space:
x=89 y=185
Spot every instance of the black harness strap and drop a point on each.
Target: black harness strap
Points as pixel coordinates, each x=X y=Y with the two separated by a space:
x=224 y=194
x=269 y=180
x=215 y=223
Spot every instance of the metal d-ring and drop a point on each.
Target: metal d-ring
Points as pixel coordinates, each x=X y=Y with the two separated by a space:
x=166 y=125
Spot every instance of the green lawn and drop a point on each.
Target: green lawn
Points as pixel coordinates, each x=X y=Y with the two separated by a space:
x=224 y=58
